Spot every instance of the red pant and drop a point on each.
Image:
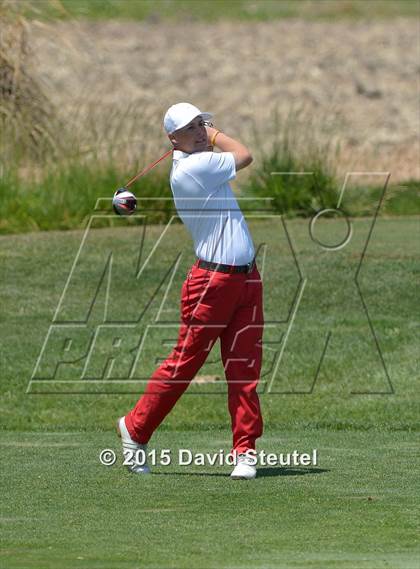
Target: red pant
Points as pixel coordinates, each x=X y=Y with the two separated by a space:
x=213 y=305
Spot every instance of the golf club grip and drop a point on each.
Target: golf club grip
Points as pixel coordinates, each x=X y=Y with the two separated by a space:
x=143 y=172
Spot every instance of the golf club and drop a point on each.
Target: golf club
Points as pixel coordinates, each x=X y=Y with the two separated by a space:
x=147 y=169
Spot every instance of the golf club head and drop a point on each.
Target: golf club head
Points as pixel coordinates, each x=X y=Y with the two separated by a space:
x=124 y=202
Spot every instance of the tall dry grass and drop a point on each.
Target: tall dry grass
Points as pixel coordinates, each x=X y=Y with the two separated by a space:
x=54 y=165
x=28 y=124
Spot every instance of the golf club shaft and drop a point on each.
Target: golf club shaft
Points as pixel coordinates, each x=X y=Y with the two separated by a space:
x=137 y=176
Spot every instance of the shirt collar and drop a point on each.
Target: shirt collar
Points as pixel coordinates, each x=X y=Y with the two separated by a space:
x=178 y=154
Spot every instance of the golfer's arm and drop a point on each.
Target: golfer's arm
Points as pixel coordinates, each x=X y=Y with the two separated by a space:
x=240 y=152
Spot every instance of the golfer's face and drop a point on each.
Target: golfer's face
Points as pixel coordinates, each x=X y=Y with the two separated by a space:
x=192 y=137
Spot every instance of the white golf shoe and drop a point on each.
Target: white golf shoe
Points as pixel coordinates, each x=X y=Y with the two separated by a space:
x=135 y=461
x=245 y=468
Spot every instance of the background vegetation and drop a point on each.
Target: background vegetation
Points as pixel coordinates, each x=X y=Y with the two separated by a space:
x=214 y=10
x=52 y=172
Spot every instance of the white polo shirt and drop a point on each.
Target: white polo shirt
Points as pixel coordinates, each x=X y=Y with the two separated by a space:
x=208 y=207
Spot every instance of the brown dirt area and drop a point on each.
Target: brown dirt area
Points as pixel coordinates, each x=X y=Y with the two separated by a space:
x=356 y=83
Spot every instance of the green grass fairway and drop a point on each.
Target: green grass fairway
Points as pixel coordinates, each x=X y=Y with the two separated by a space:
x=35 y=268
x=62 y=508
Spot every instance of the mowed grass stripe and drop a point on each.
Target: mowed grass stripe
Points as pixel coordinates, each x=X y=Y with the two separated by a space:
x=62 y=508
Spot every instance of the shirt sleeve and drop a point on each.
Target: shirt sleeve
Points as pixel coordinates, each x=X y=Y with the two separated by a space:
x=212 y=169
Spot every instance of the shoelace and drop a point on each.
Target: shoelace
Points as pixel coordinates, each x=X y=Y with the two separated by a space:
x=245 y=459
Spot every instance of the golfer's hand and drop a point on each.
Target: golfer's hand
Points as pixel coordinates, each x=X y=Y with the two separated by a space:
x=225 y=143
x=210 y=132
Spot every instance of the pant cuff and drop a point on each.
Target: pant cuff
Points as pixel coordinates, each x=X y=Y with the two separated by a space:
x=133 y=434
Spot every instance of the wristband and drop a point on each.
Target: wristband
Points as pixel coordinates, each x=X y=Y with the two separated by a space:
x=213 y=138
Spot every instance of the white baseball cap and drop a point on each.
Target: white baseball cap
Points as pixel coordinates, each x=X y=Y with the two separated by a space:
x=180 y=115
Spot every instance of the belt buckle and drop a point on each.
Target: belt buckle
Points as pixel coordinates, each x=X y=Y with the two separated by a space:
x=250 y=266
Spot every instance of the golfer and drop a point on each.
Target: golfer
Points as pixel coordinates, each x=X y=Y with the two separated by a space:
x=221 y=296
